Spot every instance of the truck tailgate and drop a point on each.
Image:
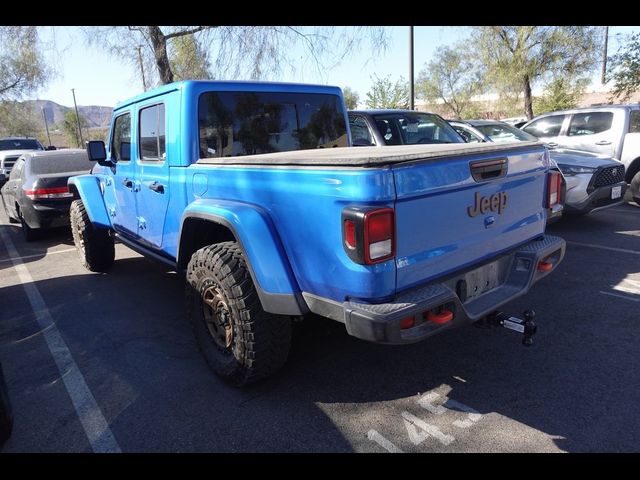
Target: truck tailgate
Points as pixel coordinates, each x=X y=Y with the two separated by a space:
x=446 y=220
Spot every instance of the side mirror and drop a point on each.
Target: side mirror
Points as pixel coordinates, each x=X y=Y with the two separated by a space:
x=50 y=147
x=98 y=153
x=3 y=179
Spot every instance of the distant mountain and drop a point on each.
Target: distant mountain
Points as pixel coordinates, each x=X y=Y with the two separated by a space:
x=96 y=116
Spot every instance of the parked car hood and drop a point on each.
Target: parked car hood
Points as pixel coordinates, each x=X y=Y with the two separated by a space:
x=567 y=156
x=12 y=153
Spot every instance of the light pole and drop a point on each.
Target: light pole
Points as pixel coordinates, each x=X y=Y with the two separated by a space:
x=411 y=105
x=73 y=90
x=46 y=125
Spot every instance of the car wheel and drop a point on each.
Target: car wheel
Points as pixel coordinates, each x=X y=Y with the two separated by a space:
x=240 y=341
x=6 y=416
x=95 y=245
x=634 y=186
x=29 y=233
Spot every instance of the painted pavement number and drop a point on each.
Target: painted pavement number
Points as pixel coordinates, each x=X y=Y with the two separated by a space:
x=419 y=431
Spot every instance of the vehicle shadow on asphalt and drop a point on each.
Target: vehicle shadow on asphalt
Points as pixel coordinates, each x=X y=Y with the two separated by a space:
x=38 y=248
x=127 y=331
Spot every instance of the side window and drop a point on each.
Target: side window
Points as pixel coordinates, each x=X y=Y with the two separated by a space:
x=634 y=121
x=121 y=140
x=152 y=135
x=360 y=134
x=16 y=171
x=546 y=127
x=589 y=123
x=468 y=136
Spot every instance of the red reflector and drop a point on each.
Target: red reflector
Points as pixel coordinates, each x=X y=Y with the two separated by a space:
x=407 y=322
x=350 y=233
x=440 y=318
x=545 y=266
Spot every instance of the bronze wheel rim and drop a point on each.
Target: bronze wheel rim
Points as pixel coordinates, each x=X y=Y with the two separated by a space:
x=217 y=317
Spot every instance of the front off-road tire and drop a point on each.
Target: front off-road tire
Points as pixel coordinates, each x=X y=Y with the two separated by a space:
x=240 y=341
x=95 y=245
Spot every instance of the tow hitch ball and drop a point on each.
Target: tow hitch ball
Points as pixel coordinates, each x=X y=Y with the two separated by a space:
x=526 y=327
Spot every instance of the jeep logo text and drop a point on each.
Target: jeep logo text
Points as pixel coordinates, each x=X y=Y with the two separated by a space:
x=496 y=203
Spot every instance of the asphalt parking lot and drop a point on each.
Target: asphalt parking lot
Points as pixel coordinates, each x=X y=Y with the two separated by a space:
x=108 y=363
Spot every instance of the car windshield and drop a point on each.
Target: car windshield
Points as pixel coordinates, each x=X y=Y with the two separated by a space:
x=501 y=132
x=412 y=128
x=20 y=144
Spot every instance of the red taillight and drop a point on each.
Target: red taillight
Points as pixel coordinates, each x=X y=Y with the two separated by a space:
x=379 y=233
x=44 y=193
x=368 y=234
x=350 y=233
x=554 y=189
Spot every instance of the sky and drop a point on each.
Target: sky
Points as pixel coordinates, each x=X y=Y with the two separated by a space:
x=101 y=79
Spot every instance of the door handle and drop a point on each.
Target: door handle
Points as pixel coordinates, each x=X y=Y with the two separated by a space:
x=603 y=142
x=552 y=145
x=127 y=183
x=156 y=187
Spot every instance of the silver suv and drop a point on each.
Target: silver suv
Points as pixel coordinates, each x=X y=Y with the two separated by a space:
x=613 y=130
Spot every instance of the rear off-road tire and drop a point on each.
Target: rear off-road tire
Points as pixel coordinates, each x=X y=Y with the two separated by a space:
x=240 y=341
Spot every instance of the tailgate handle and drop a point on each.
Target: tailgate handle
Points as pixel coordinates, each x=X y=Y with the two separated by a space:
x=488 y=169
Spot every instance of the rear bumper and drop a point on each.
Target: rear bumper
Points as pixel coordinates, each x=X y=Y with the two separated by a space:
x=380 y=323
x=38 y=215
x=598 y=199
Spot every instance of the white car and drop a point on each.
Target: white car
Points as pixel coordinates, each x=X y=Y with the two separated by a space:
x=594 y=181
x=10 y=149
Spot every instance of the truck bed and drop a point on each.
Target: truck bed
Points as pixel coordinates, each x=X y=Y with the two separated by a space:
x=369 y=156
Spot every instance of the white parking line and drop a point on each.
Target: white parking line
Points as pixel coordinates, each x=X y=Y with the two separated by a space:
x=603 y=247
x=39 y=255
x=388 y=445
x=620 y=296
x=93 y=422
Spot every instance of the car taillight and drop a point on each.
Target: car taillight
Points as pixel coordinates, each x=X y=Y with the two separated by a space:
x=45 y=193
x=554 y=189
x=368 y=234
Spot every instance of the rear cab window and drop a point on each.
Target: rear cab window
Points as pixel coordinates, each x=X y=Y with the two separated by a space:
x=247 y=123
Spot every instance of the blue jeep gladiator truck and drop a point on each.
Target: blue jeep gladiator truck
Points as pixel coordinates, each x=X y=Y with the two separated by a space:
x=238 y=186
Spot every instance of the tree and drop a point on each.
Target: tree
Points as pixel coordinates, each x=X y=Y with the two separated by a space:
x=22 y=68
x=560 y=94
x=351 y=98
x=626 y=68
x=518 y=57
x=453 y=78
x=188 y=59
x=17 y=119
x=386 y=94
x=70 y=126
x=256 y=51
